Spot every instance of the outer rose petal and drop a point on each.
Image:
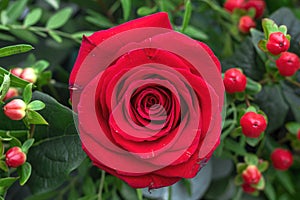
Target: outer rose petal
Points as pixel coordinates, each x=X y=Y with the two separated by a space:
x=160 y=20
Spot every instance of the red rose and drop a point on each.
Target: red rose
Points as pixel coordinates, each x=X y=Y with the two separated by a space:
x=149 y=102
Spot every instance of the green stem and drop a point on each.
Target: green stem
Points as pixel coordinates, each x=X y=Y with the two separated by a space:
x=32 y=129
x=293 y=82
x=238 y=195
x=139 y=194
x=228 y=130
x=101 y=185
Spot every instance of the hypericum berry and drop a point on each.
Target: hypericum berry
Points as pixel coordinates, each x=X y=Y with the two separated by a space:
x=14 y=157
x=282 y=159
x=253 y=124
x=230 y=5
x=15 y=109
x=251 y=175
x=29 y=75
x=258 y=5
x=277 y=43
x=288 y=63
x=17 y=71
x=298 y=134
x=234 y=81
x=246 y=23
x=248 y=188
x=12 y=92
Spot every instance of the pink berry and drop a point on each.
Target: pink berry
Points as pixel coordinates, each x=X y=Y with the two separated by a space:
x=17 y=71
x=14 y=157
x=277 y=43
x=15 y=109
x=230 y=5
x=258 y=5
x=246 y=23
x=247 y=188
x=253 y=124
x=12 y=92
x=251 y=175
x=29 y=75
x=234 y=81
x=287 y=64
x=282 y=159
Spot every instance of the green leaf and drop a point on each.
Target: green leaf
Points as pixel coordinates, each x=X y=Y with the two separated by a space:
x=27 y=144
x=98 y=19
x=80 y=34
x=245 y=57
x=292 y=97
x=59 y=18
x=187 y=15
x=252 y=87
x=4 y=86
x=3 y=4
x=33 y=17
x=269 y=26
x=88 y=187
x=263 y=166
x=126 y=6
x=261 y=184
x=27 y=93
x=36 y=105
x=7 y=182
x=14 y=81
x=285 y=179
x=25 y=35
x=24 y=172
x=240 y=167
x=251 y=159
x=34 y=117
x=53 y=3
x=40 y=66
x=235 y=147
x=55 y=36
x=238 y=180
x=52 y=160
x=270 y=191
x=271 y=101
x=57 y=150
x=15 y=10
x=195 y=33
x=7 y=37
x=15 y=49
x=254 y=141
x=293 y=127
x=143 y=11
x=3 y=166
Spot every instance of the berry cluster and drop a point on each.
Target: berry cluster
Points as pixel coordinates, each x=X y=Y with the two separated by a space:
x=246 y=21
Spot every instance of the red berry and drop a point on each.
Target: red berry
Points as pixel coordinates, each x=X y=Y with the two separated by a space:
x=14 y=157
x=234 y=81
x=277 y=43
x=246 y=23
x=258 y=5
x=12 y=92
x=29 y=75
x=298 y=134
x=247 y=188
x=287 y=64
x=16 y=71
x=282 y=159
x=253 y=124
x=230 y=5
x=251 y=175
x=15 y=109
